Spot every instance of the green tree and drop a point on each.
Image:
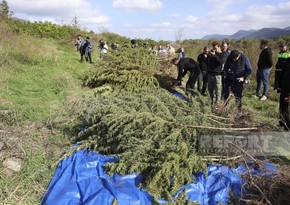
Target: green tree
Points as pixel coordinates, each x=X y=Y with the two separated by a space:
x=4 y=10
x=75 y=22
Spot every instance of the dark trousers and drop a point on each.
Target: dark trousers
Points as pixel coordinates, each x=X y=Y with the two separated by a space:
x=237 y=89
x=223 y=87
x=88 y=56
x=202 y=82
x=82 y=55
x=284 y=107
x=192 y=80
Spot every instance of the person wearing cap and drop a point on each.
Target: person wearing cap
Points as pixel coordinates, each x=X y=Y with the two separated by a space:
x=265 y=63
x=283 y=56
x=237 y=69
x=185 y=65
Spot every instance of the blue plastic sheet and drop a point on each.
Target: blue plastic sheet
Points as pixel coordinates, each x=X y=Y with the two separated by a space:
x=80 y=179
x=178 y=94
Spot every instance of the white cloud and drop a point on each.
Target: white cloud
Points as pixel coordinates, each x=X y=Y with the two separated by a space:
x=46 y=8
x=259 y=16
x=175 y=15
x=192 y=19
x=140 y=4
x=59 y=12
x=162 y=25
x=157 y=31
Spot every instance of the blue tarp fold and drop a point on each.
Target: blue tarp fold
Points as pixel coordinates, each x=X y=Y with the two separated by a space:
x=80 y=179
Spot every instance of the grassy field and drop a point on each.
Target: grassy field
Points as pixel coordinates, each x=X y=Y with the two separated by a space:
x=36 y=82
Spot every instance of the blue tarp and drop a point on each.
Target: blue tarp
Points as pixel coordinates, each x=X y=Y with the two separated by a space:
x=178 y=94
x=80 y=179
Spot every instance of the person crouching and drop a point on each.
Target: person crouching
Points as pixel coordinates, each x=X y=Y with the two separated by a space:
x=184 y=65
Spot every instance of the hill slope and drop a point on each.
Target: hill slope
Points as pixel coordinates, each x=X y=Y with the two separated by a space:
x=259 y=34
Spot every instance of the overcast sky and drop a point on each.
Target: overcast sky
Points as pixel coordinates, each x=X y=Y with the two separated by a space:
x=158 y=19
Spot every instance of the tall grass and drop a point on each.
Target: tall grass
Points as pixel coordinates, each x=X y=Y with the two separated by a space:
x=36 y=75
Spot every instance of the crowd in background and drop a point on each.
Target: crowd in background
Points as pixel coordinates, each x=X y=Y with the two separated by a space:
x=222 y=73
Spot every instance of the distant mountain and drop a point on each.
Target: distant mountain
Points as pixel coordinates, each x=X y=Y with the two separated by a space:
x=261 y=33
x=241 y=34
x=215 y=36
x=18 y=19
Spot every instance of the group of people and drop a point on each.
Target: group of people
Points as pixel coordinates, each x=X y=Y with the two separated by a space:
x=223 y=73
x=218 y=70
x=84 y=46
x=163 y=51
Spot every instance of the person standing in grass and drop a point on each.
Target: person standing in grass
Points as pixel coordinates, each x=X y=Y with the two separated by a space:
x=225 y=53
x=236 y=70
x=103 y=48
x=78 y=42
x=284 y=89
x=202 y=78
x=214 y=73
x=283 y=57
x=185 y=65
x=265 y=63
x=88 y=52
x=86 y=48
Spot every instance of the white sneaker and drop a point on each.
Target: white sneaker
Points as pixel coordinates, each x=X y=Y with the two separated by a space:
x=263 y=97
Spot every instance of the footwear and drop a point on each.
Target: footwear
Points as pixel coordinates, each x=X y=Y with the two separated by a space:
x=263 y=98
x=255 y=96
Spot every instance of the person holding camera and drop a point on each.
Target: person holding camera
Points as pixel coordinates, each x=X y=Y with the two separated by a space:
x=237 y=69
x=214 y=73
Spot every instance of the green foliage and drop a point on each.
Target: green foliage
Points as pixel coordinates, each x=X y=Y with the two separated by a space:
x=127 y=68
x=4 y=10
x=150 y=131
x=111 y=38
x=44 y=29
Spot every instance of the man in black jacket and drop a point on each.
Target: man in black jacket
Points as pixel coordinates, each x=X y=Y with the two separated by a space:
x=184 y=65
x=214 y=73
x=237 y=70
x=283 y=57
x=285 y=97
x=202 y=78
x=265 y=63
